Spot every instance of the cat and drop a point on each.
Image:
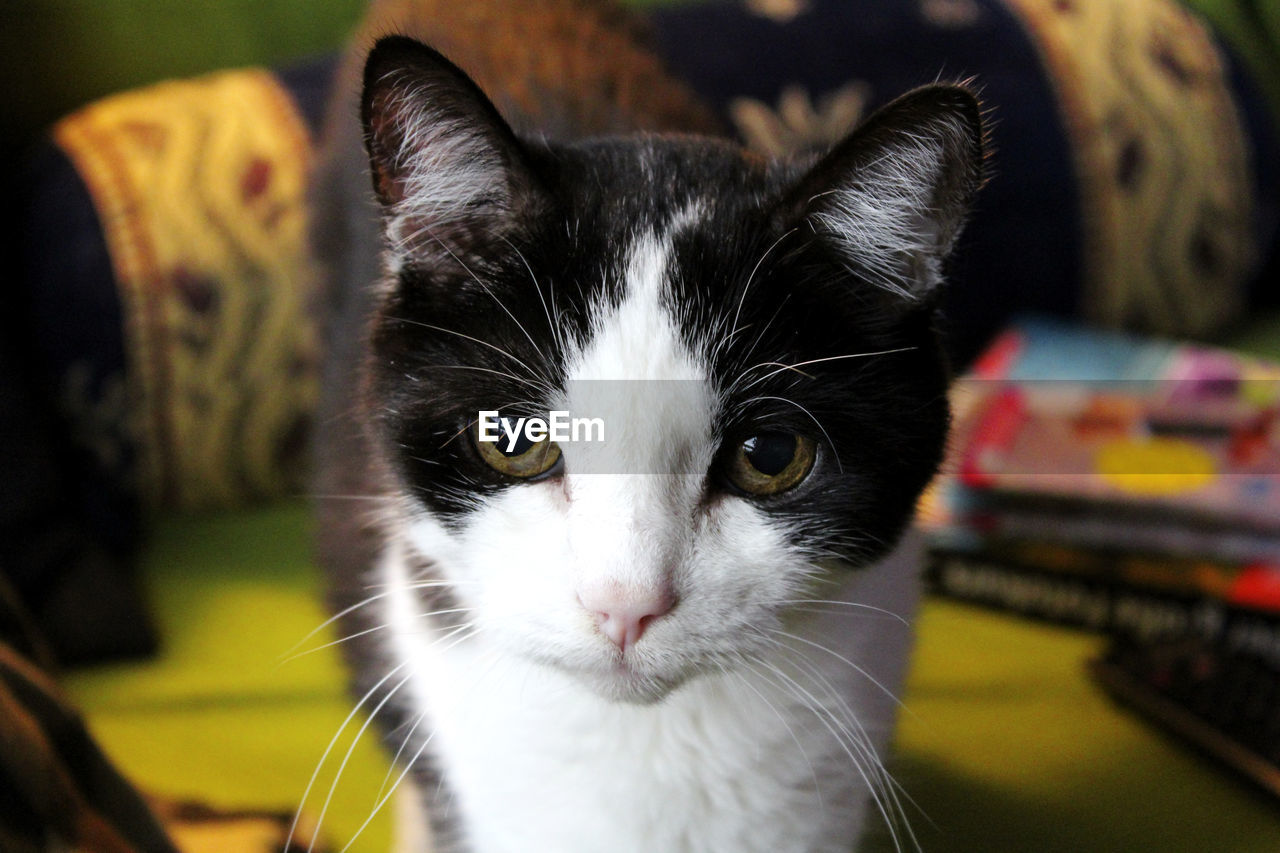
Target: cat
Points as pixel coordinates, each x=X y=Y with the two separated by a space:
x=687 y=636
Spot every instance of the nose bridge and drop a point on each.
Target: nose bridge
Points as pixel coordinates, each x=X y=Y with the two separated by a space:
x=626 y=530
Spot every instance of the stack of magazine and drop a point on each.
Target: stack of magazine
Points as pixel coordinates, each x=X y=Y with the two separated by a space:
x=1115 y=483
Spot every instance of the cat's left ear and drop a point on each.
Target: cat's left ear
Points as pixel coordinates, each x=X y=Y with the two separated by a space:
x=446 y=167
x=891 y=198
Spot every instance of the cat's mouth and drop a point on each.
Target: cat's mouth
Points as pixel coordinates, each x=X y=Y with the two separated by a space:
x=624 y=678
x=627 y=683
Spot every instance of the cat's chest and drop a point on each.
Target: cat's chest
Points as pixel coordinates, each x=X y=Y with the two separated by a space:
x=534 y=764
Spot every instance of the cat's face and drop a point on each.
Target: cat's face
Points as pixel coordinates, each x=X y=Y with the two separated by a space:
x=757 y=340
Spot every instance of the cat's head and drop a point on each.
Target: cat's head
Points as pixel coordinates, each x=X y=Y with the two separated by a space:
x=758 y=339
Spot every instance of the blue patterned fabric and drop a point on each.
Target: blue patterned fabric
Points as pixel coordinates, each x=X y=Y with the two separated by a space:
x=1026 y=247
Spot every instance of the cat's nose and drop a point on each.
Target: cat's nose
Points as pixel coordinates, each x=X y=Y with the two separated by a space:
x=623 y=617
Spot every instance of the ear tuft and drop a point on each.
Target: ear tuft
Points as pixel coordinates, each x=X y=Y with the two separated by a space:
x=892 y=198
x=440 y=155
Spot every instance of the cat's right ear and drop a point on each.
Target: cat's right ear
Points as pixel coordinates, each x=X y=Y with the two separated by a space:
x=445 y=165
x=890 y=199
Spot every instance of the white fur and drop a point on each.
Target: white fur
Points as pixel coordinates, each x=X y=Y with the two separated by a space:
x=545 y=742
x=446 y=165
x=888 y=219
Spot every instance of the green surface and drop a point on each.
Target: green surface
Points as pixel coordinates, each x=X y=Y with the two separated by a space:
x=1006 y=745
x=58 y=54
x=1260 y=336
x=234 y=593
x=223 y=714
x=1252 y=30
x=252 y=754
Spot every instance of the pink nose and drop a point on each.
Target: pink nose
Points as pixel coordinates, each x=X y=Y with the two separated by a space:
x=625 y=618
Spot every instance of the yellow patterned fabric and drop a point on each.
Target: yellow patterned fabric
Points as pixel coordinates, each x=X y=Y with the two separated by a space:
x=1162 y=159
x=199 y=187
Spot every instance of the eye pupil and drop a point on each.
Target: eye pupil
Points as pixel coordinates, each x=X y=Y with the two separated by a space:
x=517 y=456
x=522 y=446
x=770 y=453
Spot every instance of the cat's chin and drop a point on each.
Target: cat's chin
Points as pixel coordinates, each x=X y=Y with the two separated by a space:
x=632 y=694
x=626 y=684
x=631 y=689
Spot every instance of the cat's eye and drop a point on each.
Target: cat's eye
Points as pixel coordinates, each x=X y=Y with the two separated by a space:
x=770 y=463
x=524 y=459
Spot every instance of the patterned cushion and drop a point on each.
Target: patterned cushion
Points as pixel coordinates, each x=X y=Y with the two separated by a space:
x=1132 y=181
x=164 y=310
x=198 y=187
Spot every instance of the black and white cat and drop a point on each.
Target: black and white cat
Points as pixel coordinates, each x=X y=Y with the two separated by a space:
x=686 y=637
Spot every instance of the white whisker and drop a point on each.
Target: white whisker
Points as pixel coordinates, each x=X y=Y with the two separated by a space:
x=378 y=807
x=811 y=417
x=543 y=381
x=293 y=827
x=790 y=730
x=849 y=743
x=333 y=643
x=552 y=323
x=886 y=691
x=346 y=758
x=285 y=656
x=751 y=278
x=489 y=291
x=853 y=604
x=781 y=368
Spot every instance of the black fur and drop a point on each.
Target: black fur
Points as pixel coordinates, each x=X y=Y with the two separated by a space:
x=558 y=234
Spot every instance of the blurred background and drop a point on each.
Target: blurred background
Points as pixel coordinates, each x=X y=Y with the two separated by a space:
x=158 y=357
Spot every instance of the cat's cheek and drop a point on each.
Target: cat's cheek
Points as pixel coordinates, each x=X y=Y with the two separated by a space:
x=428 y=535
x=511 y=553
x=747 y=557
x=736 y=581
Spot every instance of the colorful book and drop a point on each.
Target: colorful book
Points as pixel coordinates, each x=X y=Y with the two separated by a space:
x=1111 y=463
x=1110 y=421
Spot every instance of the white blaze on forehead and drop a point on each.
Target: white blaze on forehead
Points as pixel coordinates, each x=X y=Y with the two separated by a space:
x=639 y=338
x=635 y=493
x=637 y=372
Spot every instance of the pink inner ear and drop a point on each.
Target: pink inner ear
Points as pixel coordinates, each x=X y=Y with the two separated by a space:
x=385 y=148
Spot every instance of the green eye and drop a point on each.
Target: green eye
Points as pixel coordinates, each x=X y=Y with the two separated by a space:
x=771 y=463
x=526 y=459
